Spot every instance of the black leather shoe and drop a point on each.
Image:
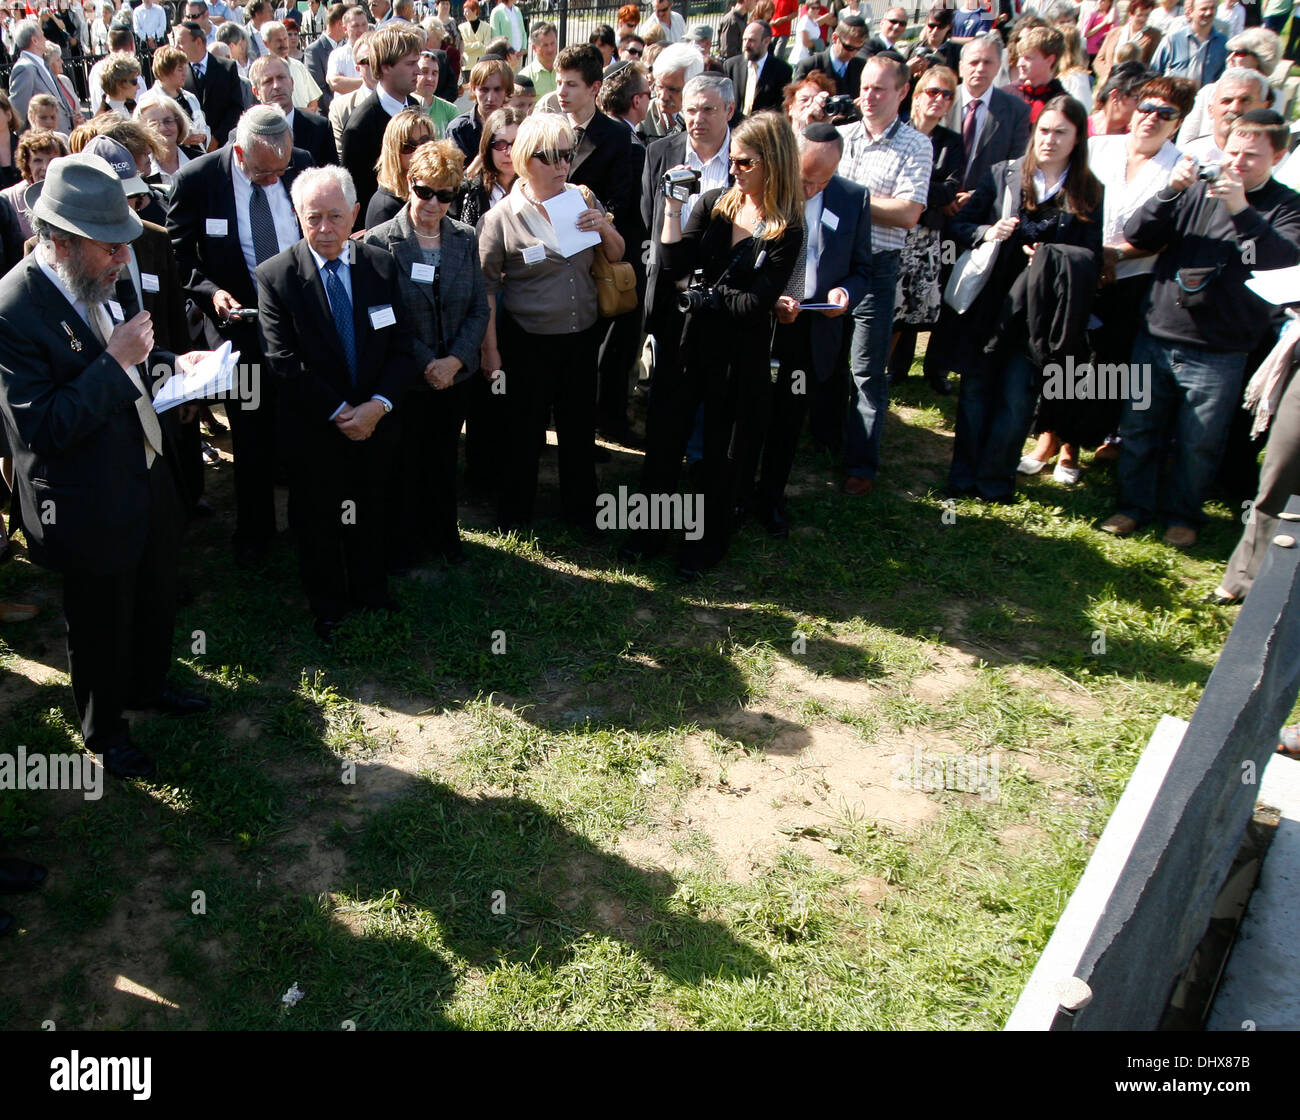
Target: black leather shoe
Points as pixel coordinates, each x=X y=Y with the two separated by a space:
x=19 y=875
x=6 y=922
x=774 y=521
x=940 y=385
x=174 y=702
x=327 y=629
x=126 y=760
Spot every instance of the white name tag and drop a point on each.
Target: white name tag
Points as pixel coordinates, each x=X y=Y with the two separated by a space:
x=115 y=309
x=830 y=221
x=381 y=317
x=148 y=281
x=215 y=227
x=534 y=254
x=424 y=273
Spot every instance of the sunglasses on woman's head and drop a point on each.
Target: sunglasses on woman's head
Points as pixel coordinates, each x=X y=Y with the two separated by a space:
x=1164 y=112
x=424 y=194
x=744 y=163
x=502 y=145
x=554 y=158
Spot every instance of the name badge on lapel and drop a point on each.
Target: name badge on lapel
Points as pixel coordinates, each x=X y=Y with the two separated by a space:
x=423 y=273
x=534 y=254
x=115 y=309
x=381 y=317
x=216 y=227
x=148 y=281
x=830 y=221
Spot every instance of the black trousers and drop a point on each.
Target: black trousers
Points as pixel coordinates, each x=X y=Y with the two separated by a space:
x=338 y=505
x=735 y=389
x=120 y=623
x=791 y=401
x=253 y=440
x=484 y=425
x=422 y=496
x=545 y=372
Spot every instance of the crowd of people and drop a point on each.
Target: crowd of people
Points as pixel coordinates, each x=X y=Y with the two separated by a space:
x=413 y=226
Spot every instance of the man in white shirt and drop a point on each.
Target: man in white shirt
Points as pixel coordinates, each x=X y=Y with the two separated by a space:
x=150 y=25
x=1237 y=92
x=341 y=73
x=671 y=22
x=305 y=90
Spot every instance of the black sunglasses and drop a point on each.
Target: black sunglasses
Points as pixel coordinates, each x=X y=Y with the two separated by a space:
x=409 y=146
x=1164 y=112
x=424 y=193
x=553 y=158
x=896 y=22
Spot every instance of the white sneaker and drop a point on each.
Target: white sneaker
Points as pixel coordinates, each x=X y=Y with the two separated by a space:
x=1067 y=476
x=1030 y=465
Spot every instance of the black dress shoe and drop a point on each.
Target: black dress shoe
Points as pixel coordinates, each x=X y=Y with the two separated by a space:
x=327 y=629
x=18 y=875
x=6 y=922
x=173 y=701
x=126 y=760
x=774 y=521
x=940 y=385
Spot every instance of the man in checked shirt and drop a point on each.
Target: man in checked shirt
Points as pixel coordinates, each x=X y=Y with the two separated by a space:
x=892 y=160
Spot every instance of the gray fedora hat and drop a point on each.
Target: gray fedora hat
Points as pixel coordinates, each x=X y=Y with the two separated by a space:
x=81 y=194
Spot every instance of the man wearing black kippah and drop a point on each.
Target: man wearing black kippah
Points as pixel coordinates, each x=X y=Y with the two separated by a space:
x=837 y=270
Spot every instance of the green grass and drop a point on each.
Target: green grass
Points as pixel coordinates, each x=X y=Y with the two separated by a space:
x=424 y=832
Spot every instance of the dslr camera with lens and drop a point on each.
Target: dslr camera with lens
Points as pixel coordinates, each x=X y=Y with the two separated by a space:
x=699 y=296
x=841 y=109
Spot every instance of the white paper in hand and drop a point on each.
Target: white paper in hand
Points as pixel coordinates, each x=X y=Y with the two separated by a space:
x=199 y=375
x=563 y=211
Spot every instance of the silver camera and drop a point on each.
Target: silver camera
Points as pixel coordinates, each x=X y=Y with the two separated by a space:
x=1208 y=170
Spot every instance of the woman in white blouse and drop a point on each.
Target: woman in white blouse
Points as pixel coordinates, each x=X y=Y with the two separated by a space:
x=1132 y=168
x=172 y=125
x=170 y=69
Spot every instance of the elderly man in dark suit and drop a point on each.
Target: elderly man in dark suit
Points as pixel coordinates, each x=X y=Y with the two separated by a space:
x=445 y=305
x=840 y=61
x=708 y=102
x=98 y=502
x=214 y=81
x=334 y=332
x=273 y=85
x=394 y=58
x=994 y=127
x=759 y=77
x=837 y=242
x=230 y=210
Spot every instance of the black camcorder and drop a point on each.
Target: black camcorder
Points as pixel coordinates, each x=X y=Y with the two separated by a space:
x=680 y=183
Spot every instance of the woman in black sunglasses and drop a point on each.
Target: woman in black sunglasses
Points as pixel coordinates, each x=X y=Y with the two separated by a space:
x=544 y=333
x=489 y=178
x=444 y=303
x=403 y=136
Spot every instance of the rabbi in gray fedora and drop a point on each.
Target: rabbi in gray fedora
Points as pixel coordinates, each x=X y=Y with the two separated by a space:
x=98 y=503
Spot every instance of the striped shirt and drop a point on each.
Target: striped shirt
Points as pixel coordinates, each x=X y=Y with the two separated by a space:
x=897 y=165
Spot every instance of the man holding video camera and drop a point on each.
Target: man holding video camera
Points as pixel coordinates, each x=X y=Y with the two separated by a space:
x=1212 y=226
x=698 y=160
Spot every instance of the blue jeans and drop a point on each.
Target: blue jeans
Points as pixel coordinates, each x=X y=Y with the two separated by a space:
x=1194 y=393
x=873 y=327
x=994 y=413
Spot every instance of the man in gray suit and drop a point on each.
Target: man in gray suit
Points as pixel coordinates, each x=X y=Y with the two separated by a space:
x=31 y=76
x=994 y=126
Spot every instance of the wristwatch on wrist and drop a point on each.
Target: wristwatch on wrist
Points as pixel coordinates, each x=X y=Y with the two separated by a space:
x=387 y=407
x=1119 y=253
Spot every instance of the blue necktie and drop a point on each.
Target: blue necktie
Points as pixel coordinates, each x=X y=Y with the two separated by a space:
x=341 y=307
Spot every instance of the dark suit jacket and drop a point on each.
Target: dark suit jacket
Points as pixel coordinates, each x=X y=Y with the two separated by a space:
x=851 y=83
x=946 y=174
x=363 y=140
x=76 y=440
x=608 y=163
x=301 y=344
x=220 y=96
x=845 y=262
x=313 y=134
x=205 y=190
x=461 y=296
x=1005 y=135
x=659 y=157
x=772 y=81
